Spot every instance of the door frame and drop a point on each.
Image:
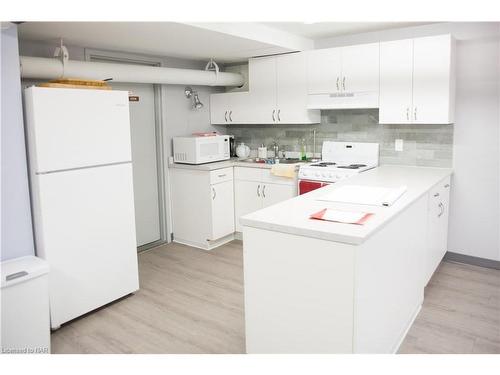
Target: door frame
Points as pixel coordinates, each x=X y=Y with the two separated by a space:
x=161 y=150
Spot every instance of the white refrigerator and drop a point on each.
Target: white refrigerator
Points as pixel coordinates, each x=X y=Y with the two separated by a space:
x=82 y=196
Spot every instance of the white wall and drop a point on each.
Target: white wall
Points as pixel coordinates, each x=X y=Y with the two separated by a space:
x=475 y=197
x=17 y=234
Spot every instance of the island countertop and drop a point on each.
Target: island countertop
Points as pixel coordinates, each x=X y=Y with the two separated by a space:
x=292 y=216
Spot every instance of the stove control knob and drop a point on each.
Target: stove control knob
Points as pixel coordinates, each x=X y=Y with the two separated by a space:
x=338 y=177
x=318 y=174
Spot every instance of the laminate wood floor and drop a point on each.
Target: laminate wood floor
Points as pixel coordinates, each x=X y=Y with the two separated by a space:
x=191 y=301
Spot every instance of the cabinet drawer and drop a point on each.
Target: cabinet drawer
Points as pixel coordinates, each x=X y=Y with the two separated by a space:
x=248 y=173
x=441 y=191
x=221 y=175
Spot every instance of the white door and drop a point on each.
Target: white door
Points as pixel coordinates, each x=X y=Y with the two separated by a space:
x=324 y=71
x=396 y=71
x=262 y=98
x=222 y=209
x=219 y=107
x=85 y=229
x=431 y=80
x=239 y=110
x=275 y=193
x=247 y=199
x=291 y=86
x=77 y=128
x=360 y=68
x=144 y=161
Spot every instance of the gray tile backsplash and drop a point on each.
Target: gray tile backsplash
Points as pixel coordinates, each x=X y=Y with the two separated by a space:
x=424 y=145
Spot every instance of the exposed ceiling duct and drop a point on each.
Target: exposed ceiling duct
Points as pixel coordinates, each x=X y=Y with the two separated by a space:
x=52 y=68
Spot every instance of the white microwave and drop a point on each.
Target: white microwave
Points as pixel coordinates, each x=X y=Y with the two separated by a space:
x=199 y=150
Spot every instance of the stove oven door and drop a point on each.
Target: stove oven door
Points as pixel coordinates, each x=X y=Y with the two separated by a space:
x=305 y=186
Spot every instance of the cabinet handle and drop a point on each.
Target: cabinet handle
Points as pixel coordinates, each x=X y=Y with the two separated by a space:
x=225 y=116
x=231 y=116
x=447 y=185
x=221 y=175
x=408 y=113
x=279 y=110
x=415 y=114
x=436 y=195
x=343 y=83
x=214 y=193
x=274 y=120
x=258 y=190
x=264 y=191
x=338 y=79
x=441 y=206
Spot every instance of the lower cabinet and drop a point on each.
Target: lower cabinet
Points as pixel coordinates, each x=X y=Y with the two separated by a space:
x=256 y=188
x=437 y=231
x=202 y=207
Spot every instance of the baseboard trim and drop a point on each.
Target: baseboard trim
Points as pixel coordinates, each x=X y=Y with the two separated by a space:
x=469 y=259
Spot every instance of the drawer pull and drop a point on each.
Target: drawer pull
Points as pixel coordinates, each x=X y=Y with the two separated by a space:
x=16 y=275
x=447 y=185
x=436 y=195
x=258 y=190
x=264 y=191
x=221 y=175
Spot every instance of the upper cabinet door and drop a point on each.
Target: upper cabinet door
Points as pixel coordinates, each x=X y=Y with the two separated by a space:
x=360 y=68
x=324 y=71
x=262 y=88
x=219 y=107
x=433 y=80
x=239 y=112
x=291 y=95
x=396 y=70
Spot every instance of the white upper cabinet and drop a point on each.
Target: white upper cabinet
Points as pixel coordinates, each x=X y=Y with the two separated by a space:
x=324 y=71
x=433 y=80
x=291 y=91
x=360 y=68
x=396 y=71
x=229 y=108
x=262 y=88
x=278 y=90
x=343 y=77
x=417 y=81
x=277 y=95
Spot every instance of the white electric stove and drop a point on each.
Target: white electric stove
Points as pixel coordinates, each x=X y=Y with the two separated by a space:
x=340 y=160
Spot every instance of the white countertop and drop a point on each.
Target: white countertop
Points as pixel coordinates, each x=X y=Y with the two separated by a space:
x=292 y=216
x=233 y=162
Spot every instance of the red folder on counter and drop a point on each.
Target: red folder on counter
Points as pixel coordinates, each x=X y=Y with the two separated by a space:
x=338 y=216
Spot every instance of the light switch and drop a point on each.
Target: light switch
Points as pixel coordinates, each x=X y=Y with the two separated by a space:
x=398 y=145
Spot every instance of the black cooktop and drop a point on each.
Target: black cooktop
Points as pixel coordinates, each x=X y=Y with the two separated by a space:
x=329 y=164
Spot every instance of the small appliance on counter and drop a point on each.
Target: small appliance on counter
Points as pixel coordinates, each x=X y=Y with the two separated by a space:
x=201 y=149
x=242 y=151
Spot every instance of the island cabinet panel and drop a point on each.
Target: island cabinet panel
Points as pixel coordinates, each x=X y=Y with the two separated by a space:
x=298 y=293
x=389 y=293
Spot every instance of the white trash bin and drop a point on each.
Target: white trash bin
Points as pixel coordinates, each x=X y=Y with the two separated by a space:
x=25 y=306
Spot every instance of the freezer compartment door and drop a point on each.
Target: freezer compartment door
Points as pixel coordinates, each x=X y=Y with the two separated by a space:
x=85 y=229
x=74 y=128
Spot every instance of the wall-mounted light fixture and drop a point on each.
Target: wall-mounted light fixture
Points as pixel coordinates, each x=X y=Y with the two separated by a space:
x=190 y=93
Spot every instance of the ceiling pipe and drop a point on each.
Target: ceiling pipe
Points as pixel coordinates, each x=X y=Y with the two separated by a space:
x=53 y=68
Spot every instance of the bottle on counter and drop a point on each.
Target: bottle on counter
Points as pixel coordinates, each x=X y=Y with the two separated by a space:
x=303 y=150
x=262 y=152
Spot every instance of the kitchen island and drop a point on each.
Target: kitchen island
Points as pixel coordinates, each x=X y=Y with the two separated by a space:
x=315 y=286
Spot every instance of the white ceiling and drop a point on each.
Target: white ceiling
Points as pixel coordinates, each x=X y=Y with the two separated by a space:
x=319 y=30
x=153 y=38
x=226 y=42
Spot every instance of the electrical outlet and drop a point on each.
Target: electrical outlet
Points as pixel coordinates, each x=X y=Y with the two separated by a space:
x=398 y=145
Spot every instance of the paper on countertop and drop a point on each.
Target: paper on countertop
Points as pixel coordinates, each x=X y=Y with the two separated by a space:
x=369 y=195
x=347 y=217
